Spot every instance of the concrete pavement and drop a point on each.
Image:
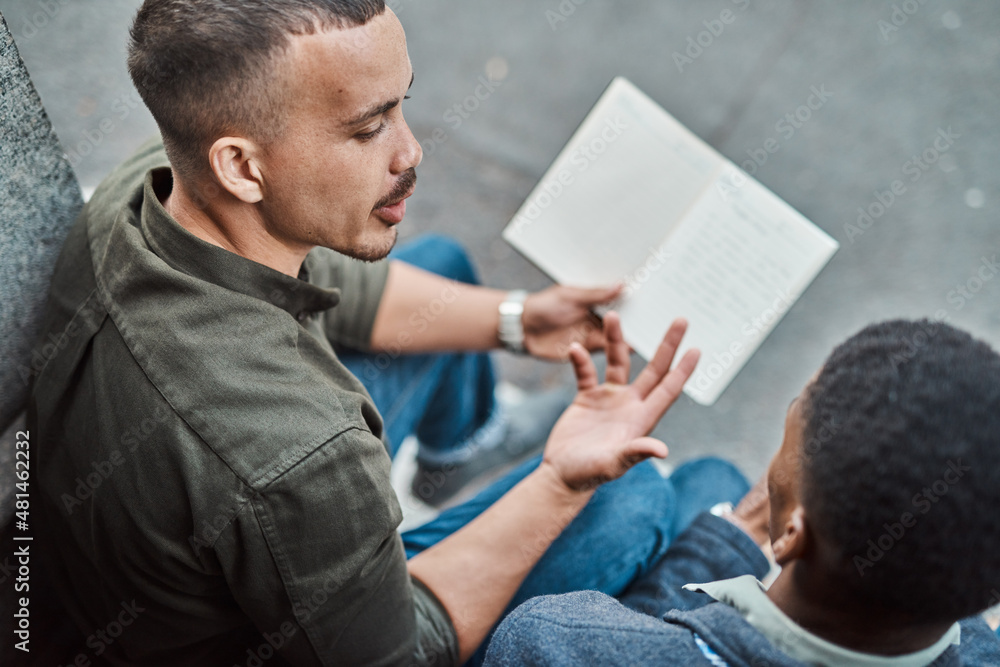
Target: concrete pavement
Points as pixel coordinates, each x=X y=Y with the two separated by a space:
x=898 y=76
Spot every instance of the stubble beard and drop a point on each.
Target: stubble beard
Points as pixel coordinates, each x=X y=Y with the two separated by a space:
x=374 y=251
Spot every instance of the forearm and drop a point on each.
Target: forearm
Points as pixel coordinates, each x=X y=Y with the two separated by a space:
x=476 y=571
x=423 y=312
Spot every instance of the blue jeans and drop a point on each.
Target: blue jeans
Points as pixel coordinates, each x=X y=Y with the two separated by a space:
x=622 y=532
x=441 y=398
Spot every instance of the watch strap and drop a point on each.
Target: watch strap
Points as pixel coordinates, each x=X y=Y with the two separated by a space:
x=511 y=329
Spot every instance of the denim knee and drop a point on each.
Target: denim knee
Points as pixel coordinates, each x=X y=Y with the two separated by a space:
x=627 y=522
x=724 y=473
x=441 y=255
x=702 y=483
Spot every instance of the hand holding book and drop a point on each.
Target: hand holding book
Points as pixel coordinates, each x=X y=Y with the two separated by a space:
x=636 y=198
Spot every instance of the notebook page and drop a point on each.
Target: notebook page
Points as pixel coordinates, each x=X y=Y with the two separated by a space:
x=614 y=193
x=733 y=267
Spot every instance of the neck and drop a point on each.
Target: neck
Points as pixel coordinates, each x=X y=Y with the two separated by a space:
x=830 y=615
x=233 y=225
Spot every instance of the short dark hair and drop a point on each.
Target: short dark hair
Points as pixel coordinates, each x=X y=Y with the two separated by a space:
x=901 y=463
x=207 y=68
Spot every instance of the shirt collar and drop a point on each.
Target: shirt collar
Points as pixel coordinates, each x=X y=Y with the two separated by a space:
x=748 y=597
x=187 y=253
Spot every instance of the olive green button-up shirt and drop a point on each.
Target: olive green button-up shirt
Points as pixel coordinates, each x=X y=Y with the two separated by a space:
x=209 y=476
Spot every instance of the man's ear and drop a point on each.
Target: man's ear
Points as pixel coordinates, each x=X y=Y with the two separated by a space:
x=234 y=163
x=793 y=540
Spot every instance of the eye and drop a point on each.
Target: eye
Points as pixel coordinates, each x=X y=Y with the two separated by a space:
x=368 y=136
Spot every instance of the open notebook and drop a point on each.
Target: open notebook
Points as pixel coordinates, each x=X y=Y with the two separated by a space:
x=635 y=197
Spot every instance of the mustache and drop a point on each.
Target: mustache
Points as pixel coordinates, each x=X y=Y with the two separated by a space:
x=402 y=188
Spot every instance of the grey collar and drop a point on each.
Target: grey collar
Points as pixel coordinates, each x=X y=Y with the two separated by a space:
x=748 y=596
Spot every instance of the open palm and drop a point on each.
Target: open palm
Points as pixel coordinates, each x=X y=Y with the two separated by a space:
x=603 y=433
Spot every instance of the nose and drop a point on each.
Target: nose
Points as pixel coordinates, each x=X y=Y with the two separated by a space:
x=409 y=154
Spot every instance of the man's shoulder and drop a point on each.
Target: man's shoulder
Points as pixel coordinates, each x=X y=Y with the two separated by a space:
x=238 y=370
x=258 y=390
x=587 y=627
x=593 y=628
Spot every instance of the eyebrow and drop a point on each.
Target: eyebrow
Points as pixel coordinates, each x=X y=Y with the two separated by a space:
x=377 y=110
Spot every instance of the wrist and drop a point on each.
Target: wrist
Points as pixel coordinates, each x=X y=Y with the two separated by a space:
x=755 y=530
x=548 y=475
x=510 y=329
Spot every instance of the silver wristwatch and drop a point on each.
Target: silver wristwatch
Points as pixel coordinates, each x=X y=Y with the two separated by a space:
x=511 y=329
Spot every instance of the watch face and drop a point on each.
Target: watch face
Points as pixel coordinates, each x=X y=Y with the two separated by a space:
x=511 y=308
x=511 y=328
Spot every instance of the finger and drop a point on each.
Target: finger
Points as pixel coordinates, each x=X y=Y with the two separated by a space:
x=616 y=350
x=593 y=333
x=583 y=367
x=667 y=391
x=659 y=366
x=587 y=297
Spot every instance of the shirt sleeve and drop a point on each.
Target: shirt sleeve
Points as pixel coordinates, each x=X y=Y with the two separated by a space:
x=315 y=557
x=361 y=286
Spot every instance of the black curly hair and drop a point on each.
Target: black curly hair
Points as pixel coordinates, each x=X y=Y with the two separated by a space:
x=901 y=467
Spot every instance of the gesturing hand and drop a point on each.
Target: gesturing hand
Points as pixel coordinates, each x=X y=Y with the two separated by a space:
x=602 y=434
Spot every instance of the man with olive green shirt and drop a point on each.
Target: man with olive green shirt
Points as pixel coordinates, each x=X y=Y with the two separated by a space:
x=240 y=498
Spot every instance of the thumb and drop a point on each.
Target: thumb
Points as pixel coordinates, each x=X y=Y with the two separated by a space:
x=594 y=296
x=641 y=449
